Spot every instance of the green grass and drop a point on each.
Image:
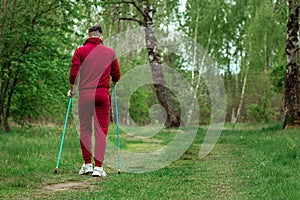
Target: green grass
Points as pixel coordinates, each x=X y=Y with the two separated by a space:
x=248 y=162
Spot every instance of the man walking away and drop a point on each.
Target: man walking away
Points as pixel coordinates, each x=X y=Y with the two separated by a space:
x=92 y=66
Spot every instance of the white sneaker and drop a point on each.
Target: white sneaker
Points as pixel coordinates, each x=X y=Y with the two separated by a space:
x=86 y=169
x=99 y=172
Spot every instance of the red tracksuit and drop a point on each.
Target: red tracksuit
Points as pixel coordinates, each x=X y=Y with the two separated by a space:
x=92 y=66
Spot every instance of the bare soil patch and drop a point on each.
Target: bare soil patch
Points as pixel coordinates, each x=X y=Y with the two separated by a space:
x=69 y=186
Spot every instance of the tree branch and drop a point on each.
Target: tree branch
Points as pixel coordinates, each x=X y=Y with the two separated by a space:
x=131 y=19
x=135 y=5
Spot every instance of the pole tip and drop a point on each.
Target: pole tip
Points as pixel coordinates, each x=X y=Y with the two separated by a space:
x=56 y=170
x=119 y=172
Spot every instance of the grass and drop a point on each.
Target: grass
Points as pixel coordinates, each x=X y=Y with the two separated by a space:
x=248 y=162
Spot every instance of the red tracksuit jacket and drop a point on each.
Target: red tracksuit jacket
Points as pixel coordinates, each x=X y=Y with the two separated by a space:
x=95 y=63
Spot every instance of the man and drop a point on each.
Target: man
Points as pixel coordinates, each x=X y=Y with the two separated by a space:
x=92 y=66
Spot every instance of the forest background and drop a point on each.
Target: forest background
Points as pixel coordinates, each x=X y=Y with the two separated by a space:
x=246 y=38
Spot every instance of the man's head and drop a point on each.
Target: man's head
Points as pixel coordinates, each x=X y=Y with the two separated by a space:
x=95 y=32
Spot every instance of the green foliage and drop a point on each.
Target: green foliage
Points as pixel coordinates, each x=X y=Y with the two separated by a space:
x=261 y=114
x=244 y=37
x=37 y=40
x=140 y=102
x=262 y=94
x=278 y=77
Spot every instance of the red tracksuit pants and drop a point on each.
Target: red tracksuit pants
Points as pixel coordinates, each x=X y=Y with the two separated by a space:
x=93 y=110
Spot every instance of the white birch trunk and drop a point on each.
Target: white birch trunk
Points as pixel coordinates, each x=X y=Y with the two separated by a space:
x=238 y=113
x=196 y=92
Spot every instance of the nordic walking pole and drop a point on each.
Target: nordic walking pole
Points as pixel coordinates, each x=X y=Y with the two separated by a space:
x=117 y=126
x=63 y=136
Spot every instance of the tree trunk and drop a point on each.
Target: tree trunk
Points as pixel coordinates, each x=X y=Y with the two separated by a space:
x=190 y=111
x=195 y=49
x=1 y=117
x=202 y=63
x=162 y=93
x=233 y=116
x=3 y=96
x=291 y=111
x=239 y=110
x=9 y=98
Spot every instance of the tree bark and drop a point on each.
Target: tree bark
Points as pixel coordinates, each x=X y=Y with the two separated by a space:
x=162 y=93
x=239 y=110
x=190 y=111
x=195 y=49
x=11 y=93
x=291 y=115
x=3 y=94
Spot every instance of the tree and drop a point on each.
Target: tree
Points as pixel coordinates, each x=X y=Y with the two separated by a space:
x=163 y=95
x=291 y=88
x=242 y=38
x=21 y=46
x=36 y=40
x=144 y=16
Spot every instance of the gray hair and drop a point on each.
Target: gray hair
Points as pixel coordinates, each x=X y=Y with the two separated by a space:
x=94 y=34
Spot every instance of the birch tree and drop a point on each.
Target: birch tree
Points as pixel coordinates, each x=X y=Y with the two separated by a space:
x=144 y=15
x=291 y=88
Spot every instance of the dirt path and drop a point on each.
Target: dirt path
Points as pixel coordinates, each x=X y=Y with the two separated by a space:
x=69 y=186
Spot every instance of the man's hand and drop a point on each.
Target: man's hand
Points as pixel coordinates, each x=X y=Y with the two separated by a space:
x=70 y=94
x=72 y=91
